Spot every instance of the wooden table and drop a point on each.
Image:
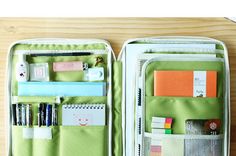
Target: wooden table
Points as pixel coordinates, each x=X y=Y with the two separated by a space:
x=116 y=31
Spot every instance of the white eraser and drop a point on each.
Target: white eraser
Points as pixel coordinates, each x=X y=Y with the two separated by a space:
x=95 y=74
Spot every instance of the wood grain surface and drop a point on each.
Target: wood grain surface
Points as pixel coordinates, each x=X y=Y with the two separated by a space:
x=116 y=31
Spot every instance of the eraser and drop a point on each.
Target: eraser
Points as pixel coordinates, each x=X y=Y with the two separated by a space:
x=94 y=74
x=69 y=66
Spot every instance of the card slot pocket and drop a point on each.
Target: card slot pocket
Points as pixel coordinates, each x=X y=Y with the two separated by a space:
x=183 y=145
x=34 y=146
x=181 y=109
x=84 y=140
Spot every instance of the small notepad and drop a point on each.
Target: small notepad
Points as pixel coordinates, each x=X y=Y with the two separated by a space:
x=83 y=114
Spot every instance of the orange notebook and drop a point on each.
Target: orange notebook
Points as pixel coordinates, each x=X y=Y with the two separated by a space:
x=185 y=83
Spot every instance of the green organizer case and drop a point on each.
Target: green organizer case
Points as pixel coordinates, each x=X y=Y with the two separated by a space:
x=130 y=102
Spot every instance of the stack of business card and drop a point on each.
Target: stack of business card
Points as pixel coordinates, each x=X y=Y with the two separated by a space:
x=161 y=125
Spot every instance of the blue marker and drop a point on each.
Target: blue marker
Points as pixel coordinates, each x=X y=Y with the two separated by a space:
x=48 y=115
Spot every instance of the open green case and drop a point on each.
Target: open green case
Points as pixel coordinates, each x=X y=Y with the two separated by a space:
x=130 y=102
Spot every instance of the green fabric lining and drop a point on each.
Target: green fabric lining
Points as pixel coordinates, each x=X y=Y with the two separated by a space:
x=71 y=76
x=117 y=110
x=181 y=109
x=83 y=141
x=36 y=99
x=183 y=65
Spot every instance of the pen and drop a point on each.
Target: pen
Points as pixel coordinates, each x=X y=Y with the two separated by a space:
x=23 y=115
x=29 y=115
x=43 y=113
x=18 y=114
x=14 y=122
x=48 y=115
x=39 y=115
x=54 y=115
x=62 y=54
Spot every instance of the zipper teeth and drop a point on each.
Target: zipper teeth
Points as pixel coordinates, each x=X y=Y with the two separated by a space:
x=28 y=52
x=63 y=41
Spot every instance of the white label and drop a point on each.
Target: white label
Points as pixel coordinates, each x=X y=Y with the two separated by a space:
x=37 y=133
x=199 y=84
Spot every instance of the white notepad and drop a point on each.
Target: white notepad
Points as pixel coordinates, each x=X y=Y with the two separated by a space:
x=83 y=114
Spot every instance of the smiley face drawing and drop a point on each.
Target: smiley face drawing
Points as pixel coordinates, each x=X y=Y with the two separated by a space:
x=83 y=119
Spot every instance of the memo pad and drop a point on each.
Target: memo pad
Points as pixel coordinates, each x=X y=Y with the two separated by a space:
x=185 y=83
x=83 y=115
x=61 y=88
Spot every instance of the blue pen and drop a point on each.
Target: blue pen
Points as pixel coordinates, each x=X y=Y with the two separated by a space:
x=48 y=115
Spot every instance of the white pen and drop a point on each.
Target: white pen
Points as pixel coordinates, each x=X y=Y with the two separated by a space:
x=29 y=115
x=23 y=115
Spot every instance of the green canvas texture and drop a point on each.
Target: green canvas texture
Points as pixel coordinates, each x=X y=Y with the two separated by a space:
x=117 y=100
x=66 y=141
x=182 y=108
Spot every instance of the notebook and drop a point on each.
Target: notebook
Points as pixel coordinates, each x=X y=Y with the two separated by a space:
x=83 y=114
x=185 y=83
